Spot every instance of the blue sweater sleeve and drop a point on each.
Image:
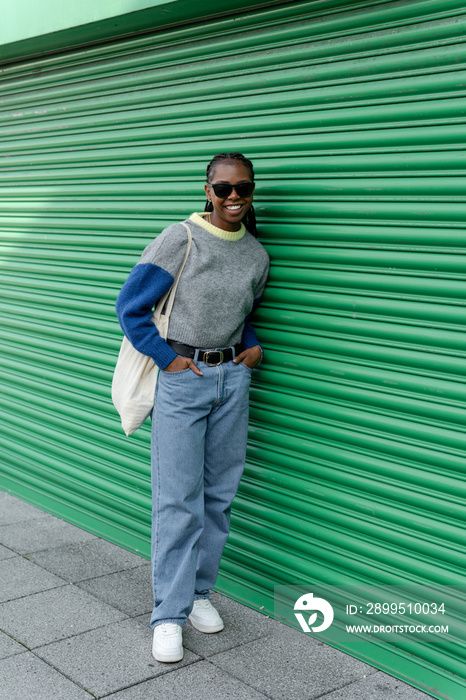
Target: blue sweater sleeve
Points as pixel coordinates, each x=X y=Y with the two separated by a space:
x=249 y=339
x=146 y=284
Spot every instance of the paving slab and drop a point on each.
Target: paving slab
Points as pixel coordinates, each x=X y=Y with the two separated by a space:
x=21 y=577
x=110 y=658
x=85 y=560
x=12 y=510
x=26 y=677
x=242 y=625
x=56 y=614
x=378 y=686
x=288 y=664
x=198 y=681
x=129 y=590
x=97 y=636
x=9 y=647
x=6 y=553
x=41 y=533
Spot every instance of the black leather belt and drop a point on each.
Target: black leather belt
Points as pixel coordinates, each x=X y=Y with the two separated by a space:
x=209 y=357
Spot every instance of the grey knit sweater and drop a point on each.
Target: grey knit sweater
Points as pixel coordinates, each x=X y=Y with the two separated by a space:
x=221 y=284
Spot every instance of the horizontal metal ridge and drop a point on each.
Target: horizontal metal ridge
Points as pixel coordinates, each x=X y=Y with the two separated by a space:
x=380 y=506
x=374 y=355
x=368 y=81
x=397 y=136
x=225 y=29
x=85 y=496
x=341 y=449
x=342 y=429
x=300 y=32
x=315 y=462
x=437 y=415
x=88 y=466
x=363 y=564
x=438 y=404
x=129 y=122
x=387 y=165
x=344 y=531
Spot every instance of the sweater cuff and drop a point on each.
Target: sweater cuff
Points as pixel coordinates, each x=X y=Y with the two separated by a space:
x=164 y=356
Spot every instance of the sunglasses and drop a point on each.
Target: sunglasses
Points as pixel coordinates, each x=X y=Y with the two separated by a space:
x=224 y=189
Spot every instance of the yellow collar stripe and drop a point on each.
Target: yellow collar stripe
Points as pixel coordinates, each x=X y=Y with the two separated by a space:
x=199 y=219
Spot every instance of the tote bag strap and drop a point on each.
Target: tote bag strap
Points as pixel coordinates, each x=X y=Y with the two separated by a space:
x=172 y=291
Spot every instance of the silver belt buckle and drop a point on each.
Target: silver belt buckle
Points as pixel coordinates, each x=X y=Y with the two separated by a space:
x=205 y=358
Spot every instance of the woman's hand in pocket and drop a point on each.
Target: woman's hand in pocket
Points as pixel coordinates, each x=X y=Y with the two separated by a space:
x=250 y=357
x=181 y=363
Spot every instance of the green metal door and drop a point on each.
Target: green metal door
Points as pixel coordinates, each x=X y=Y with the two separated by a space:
x=353 y=114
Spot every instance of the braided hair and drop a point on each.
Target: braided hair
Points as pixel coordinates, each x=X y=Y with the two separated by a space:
x=250 y=218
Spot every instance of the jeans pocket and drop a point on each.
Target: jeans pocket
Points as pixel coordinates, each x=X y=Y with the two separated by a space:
x=180 y=371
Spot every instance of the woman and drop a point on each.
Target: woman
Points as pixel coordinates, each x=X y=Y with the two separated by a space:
x=200 y=416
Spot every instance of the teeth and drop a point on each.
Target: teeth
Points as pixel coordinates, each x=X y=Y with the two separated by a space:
x=234 y=207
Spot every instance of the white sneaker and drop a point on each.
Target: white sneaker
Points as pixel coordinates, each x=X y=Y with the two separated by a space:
x=204 y=617
x=167 y=645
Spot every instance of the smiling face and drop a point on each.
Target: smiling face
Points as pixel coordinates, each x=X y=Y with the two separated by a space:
x=230 y=211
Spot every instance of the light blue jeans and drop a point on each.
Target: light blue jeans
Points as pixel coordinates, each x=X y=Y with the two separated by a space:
x=199 y=434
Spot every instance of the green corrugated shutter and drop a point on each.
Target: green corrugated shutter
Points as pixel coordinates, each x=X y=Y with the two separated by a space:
x=354 y=117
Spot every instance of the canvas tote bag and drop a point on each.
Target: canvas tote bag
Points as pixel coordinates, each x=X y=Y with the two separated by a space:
x=135 y=376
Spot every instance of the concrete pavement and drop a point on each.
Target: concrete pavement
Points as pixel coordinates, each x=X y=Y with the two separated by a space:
x=74 y=621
